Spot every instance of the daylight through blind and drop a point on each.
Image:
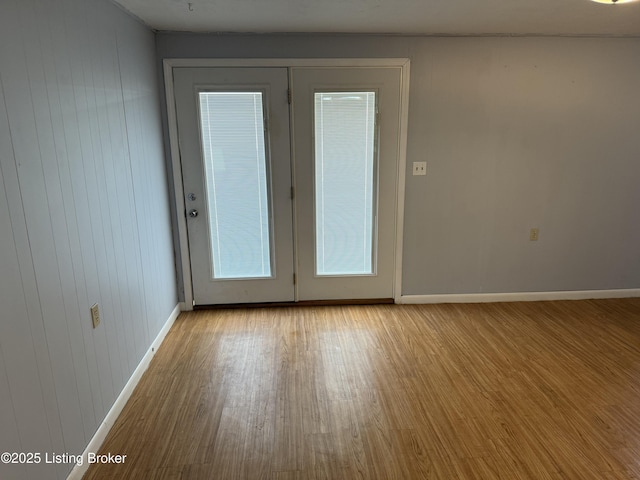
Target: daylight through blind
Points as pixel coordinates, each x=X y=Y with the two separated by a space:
x=345 y=182
x=233 y=145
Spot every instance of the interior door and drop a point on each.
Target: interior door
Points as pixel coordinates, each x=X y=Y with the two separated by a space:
x=346 y=143
x=233 y=130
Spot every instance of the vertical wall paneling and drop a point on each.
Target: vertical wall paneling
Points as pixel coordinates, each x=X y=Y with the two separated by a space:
x=141 y=102
x=83 y=179
x=109 y=296
x=105 y=45
x=31 y=376
x=7 y=412
x=75 y=205
x=62 y=213
x=42 y=203
x=21 y=394
x=128 y=212
x=119 y=211
x=84 y=219
x=136 y=151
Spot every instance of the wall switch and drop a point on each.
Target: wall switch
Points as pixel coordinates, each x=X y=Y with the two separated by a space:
x=533 y=234
x=95 y=315
x=419 y=168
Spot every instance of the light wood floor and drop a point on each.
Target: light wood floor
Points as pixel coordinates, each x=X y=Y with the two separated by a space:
x=496 y=391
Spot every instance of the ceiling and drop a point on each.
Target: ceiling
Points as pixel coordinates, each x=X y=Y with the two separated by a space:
x=430 y=17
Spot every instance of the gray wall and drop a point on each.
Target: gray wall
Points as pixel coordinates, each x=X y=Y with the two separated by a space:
x=84 y=218
x=517 y=133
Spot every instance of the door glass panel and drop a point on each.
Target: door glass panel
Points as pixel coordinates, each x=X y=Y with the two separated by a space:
x=233 y=145
x=345 y=182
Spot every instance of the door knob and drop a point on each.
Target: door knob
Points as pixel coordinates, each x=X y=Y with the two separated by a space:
x=193 y=213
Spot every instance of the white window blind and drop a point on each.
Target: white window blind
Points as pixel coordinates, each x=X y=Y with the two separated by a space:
x=233 y=145
x=345 y=182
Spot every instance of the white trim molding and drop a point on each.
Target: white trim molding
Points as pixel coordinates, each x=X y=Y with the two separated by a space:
x=285 y=62
x=401 y=183
x=518 y=296
x=96 y=442
x=176 y=168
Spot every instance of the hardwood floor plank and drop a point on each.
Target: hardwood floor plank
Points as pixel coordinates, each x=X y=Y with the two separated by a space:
x=531 y=391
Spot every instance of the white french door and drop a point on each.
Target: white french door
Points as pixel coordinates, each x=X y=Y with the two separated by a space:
x=233 y=130
x=251 y=238
x=346 y=138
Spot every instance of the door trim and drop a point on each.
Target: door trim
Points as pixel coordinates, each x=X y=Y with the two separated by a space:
x=176 y=166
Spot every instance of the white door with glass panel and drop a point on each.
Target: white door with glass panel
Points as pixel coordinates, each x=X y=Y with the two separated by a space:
x=235 y=144
x=346 y=123
x=233 y=130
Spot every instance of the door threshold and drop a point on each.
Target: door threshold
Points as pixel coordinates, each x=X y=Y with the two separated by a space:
x=303 y=303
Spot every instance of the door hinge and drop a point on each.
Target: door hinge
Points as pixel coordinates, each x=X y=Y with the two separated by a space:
x=289 y=95
x=294 y=278
x=293 y=193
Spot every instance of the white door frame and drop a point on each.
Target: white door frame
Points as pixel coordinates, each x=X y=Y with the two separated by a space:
x=170 y=63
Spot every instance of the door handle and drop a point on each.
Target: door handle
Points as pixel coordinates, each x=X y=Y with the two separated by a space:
x=193 y=213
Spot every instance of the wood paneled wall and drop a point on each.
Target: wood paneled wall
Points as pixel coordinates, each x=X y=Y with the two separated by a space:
x=84 y=218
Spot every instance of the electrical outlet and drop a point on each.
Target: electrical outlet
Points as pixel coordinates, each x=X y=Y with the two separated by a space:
x=419 y=168
x=533 y=234
x=95 y=315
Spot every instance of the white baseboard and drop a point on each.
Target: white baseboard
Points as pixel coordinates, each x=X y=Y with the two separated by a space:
x=518 y=297
x=96 y=442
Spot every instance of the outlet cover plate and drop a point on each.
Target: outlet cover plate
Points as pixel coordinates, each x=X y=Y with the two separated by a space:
x=534 y=233
x=95 y=315
x=419 y=168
